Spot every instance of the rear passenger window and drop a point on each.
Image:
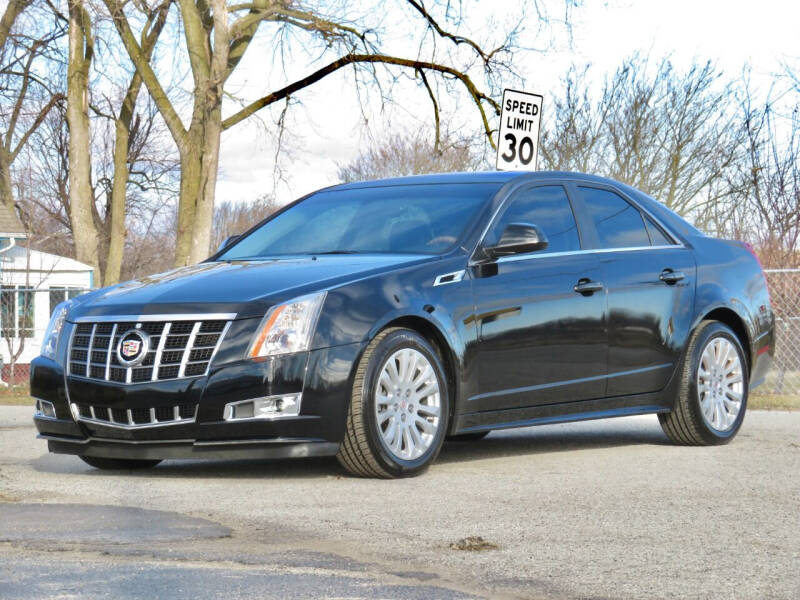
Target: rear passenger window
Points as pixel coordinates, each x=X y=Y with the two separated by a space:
x=657 y=237
x=618 y=224
x=547 y=207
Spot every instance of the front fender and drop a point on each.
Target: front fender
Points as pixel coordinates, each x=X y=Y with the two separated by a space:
x=358 y=311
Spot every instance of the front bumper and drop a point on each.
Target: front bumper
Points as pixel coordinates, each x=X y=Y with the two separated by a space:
x=322 y=376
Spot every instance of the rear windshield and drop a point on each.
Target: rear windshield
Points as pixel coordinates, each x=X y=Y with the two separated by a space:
x=412 y=219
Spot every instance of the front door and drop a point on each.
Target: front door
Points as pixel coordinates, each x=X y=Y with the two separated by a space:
x=540 y=340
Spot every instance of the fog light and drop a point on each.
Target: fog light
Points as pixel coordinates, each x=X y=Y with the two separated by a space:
x=45 y=409
x=272 y=407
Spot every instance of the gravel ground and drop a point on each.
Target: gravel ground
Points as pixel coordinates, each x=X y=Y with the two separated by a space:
x=603 y=509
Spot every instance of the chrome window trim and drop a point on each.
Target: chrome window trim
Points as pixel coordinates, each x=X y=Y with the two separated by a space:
x=161 y=317
x=528 y=256
x=130 y=425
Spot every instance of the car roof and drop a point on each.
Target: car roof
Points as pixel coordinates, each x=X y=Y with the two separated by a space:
x=471 y=177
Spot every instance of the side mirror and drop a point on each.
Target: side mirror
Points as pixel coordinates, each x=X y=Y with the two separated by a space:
x=227 y=242
x=518 y=238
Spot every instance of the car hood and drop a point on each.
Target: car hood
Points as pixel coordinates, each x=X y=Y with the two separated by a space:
x=247 y=288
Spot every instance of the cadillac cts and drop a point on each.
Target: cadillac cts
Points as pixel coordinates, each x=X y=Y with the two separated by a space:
x=373 y=321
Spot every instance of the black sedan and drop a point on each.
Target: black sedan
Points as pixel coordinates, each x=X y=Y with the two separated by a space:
x=373 y=321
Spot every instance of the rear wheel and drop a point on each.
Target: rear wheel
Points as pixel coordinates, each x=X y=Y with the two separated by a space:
x=116 y=464
x=712 y=400
x=398 y=410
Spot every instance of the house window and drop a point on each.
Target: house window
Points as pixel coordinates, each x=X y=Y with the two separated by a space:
x=16 y=312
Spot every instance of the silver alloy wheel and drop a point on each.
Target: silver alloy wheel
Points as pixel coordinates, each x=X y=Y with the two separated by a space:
x=720 y=384
x=407 y=404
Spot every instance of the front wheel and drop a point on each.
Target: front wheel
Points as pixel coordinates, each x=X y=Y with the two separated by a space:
x=398 y=409
x=712 y=399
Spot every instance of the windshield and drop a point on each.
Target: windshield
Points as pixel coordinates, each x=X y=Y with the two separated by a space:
x=410 y=219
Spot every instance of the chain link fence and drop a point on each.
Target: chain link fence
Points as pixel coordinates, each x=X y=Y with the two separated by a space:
x=784 y=289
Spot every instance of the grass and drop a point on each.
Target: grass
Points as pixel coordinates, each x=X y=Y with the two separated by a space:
x=773 y=402
x=19 y=395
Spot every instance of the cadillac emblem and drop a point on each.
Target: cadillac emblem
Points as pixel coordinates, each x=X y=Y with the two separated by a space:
x=133 y=347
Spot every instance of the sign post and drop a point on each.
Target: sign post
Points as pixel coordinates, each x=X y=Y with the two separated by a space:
x=518 y=140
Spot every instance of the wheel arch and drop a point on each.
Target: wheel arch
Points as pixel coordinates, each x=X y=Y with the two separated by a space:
x=728 y=316
x=437 y=339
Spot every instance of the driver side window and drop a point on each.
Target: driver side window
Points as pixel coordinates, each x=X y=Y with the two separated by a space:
x=549 y=208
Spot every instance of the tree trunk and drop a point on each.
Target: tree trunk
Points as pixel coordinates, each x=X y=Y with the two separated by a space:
x=6 y=189
x=119 y=189
x=84 y=232
x=199 y=164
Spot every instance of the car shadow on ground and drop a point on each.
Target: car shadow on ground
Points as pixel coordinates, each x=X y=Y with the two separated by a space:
x=518 y=442
x=544 y=440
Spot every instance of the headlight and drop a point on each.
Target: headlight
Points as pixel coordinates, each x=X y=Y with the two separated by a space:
x=50 y=341
x=287 y=328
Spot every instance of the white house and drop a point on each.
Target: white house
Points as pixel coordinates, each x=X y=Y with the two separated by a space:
x=32 y=283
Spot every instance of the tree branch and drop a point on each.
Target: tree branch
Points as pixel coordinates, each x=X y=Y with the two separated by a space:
x=477 y=96
x=456 y=39
x=38 y=121
x=142 y=64
x=437 y=141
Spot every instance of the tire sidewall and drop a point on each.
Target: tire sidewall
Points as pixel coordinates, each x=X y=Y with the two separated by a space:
x=393 y=342
x=712 y=331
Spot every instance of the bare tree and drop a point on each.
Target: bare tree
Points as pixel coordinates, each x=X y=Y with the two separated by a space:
x=129 y=128
x=28 y=97
x=218 y=33
x=412 y=154
x=81 y=199
x=764 y=184
x=671 y=134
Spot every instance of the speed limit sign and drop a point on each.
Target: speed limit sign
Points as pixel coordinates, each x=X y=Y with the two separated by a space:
x=518 y=141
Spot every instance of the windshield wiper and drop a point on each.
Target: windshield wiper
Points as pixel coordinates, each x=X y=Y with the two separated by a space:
x=336 y=252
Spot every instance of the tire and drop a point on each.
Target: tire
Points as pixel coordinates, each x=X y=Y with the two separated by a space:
x=688 y=424
x=117 y=464
x=368 y=449
x=468 y=437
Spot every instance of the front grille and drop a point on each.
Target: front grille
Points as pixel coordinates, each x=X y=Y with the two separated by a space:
x=179 y=348
x=135 y=417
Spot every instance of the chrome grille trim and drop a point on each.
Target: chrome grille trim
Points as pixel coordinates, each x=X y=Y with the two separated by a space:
x=184 y=348
x=109 y=421
x=188 y=352
x=159 y=351
x=149 y=318
x=89 y=351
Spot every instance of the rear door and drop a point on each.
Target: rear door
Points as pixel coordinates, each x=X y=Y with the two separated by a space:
x=540 y=340
x=650 y=282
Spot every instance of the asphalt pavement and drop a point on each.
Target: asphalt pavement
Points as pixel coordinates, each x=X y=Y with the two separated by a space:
x=602 y=509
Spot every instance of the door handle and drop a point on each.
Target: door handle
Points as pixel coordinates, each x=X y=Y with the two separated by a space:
x=587 y=287
x=671 y=277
